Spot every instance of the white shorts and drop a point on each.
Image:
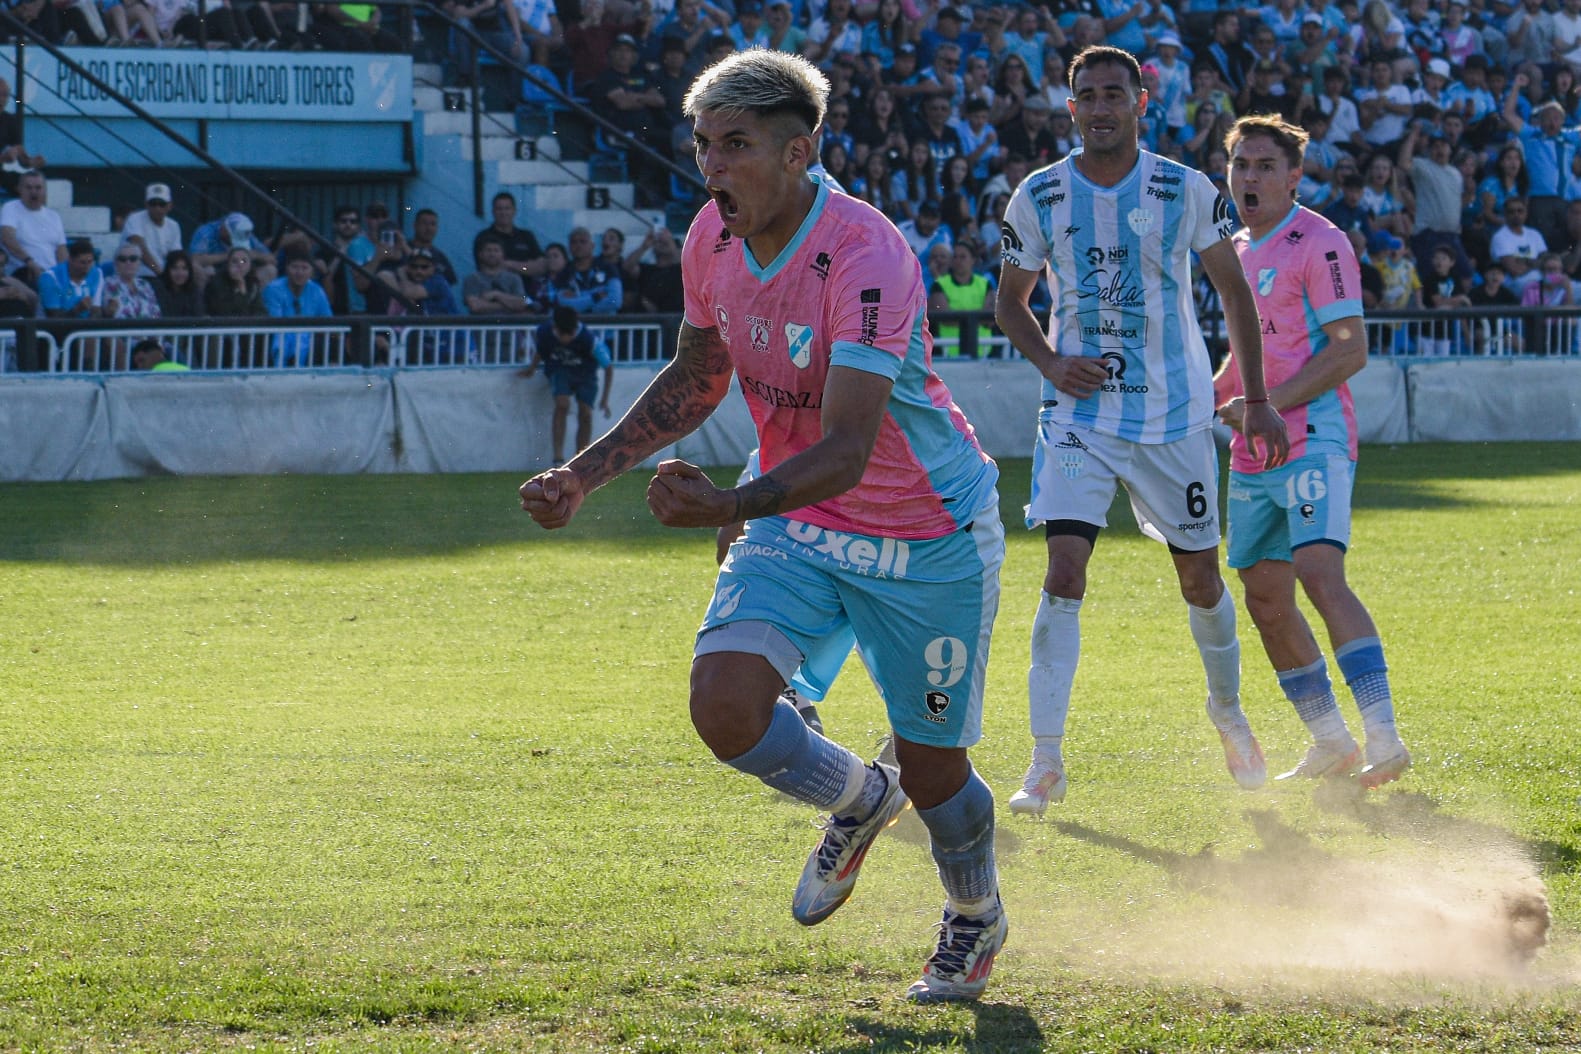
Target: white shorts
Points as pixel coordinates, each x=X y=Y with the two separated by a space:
x=1174 y=487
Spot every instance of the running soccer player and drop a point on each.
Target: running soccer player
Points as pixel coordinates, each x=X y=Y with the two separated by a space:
x=1127 y=391
x=1292 y=523
x=876 y=508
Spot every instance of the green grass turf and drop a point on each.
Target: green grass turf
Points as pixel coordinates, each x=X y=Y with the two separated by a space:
x=373 y=764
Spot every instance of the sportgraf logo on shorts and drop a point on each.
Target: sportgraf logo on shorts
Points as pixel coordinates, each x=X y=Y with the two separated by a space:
x=888 y=559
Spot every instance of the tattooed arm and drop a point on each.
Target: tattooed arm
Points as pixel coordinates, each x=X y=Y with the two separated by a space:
x=680 y=399
x=854 y=405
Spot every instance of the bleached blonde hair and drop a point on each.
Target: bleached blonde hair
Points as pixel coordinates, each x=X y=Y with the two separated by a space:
x=763 y=82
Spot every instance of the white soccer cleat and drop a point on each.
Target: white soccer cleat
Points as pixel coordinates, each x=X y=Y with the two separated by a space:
x=832 y=869
x=960 y=964
x=1386 y=761
x=1327 y=759
x=1045 y=783
x=1242 y=753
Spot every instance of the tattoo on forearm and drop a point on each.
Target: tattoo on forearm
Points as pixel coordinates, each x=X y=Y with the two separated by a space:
x=764 y=496
x=678 y=400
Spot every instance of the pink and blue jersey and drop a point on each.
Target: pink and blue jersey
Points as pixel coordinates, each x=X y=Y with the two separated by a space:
x=1303 y=275
x=847 y=291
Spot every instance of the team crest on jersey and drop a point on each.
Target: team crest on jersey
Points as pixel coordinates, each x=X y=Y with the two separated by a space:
x=728 y=599
x=758 y=330
x=724 y=322
x=937 y=702
x=799 y=338
x=1140 y=221
x=1265 y=280
x=1071 y=463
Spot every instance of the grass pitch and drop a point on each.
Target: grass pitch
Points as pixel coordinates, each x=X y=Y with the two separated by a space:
x=374 y=764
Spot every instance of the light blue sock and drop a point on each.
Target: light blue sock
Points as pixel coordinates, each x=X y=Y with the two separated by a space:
x=1367 y=676
x=796 y=760
x=1312 y=694
x=962 y=830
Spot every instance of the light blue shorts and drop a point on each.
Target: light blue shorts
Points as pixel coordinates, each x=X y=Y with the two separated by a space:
x=1274 y=513
x=922 y=612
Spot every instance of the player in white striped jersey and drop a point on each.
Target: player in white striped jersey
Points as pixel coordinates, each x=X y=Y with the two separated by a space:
x=1127 y=390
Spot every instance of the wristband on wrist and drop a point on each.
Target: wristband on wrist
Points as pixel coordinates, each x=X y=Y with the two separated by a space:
x=1253 y=402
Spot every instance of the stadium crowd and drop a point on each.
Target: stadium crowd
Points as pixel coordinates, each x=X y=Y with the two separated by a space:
x=1444 y=141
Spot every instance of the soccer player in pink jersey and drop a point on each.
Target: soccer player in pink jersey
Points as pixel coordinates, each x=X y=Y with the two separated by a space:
x=1292 y=523
x=876 y=509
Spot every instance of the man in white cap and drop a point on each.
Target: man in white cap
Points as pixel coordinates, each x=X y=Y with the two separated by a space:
x=213 y=241
x=152 y=231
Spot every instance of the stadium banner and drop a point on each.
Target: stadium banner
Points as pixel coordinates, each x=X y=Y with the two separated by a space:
x=223 y=85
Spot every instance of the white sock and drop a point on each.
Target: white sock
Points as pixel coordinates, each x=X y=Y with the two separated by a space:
x=1056 y=649
x=1214 y=631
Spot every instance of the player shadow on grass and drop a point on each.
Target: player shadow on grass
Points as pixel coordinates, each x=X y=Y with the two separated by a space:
x=1002 y=1028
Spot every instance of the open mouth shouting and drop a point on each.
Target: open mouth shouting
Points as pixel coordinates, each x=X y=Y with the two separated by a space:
x=729 y=208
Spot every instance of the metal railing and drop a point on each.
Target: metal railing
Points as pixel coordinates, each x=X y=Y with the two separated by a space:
x=62 y=348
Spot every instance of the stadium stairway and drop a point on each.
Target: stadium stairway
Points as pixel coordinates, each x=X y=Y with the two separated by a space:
x=82 y=221
x=555 y=179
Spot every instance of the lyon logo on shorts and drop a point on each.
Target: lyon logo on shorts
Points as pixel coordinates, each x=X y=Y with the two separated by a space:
x=938 y=702
x=799 y=338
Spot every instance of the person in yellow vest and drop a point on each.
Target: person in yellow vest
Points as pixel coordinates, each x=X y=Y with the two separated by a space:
x=962 y=288
x=149 y=354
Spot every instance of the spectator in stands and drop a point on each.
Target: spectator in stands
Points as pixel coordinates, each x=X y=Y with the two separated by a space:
x=384 y=233
x=544 y=290
x=1493 y=337
x=958 y=198
x=917 y=181
x=539 y=22
x=16 y=299
x=39 y=16
x=425 y=228
x=883 y=34
x=522 y=253
x=979 y=140
x=493 y=289
x=234 y=292
x=1569 y=249
x=1548 y=144
x=1005 y=181
x=691 y=22
x=926 y=231
x=1384 y=196
x=587 y=285
x=943 y=79
x=173 y=23
x=590 y=39
x=73 y=288
x=783 y=33
x=1517 y=247
x=214 y=240
x=625 y=96
x=937 y=130
x=876 y=185
x=127 y=294
x=1551 y=287
x=1438 y=188
x=1529 y=32
x=496 y=21
x=878 y=127
x=1027 y=39
x=295 y=295
x=835 y=32
x=949 y=28
x=148 y=355
x=1266 y=93
x=612 y=249
x=177 y=287
x=354 y=27
x=571 y=355
x=151 y=230
x=962 y=288
x=1225 y=52
x=32 y=233
x=672 y=78
x=1442 y=290
x=901 y=80
x=345 y=275
x=14 y=158
x=417 y=280
x=655 y=284
x=1384 y=106
x=748 y=30
x=1012 y=87
x=837 y=166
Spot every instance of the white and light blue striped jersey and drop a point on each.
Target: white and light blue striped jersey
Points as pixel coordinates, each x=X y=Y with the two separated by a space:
x=1118 y=261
